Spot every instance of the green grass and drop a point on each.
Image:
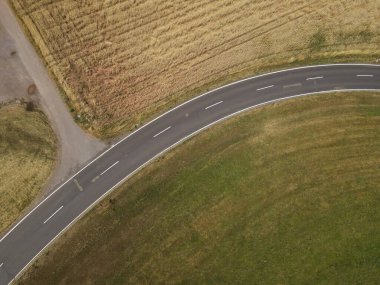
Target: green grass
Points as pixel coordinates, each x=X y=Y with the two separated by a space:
x=27 y=157
x=285 y=194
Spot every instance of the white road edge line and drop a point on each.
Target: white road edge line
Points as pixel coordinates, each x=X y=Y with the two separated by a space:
x=364 y=75
x=52 y=215
x=109 y=167
x=314 y=78
x=171 y=110
x=170 y=147
x=156 y=135
x=266 y=87
x=208 y=107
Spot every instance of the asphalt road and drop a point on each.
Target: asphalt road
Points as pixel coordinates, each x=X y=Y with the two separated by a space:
x=66 y=204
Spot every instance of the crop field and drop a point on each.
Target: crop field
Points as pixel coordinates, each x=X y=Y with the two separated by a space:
x=27 y=157
x=120 y=62
x=285 y=194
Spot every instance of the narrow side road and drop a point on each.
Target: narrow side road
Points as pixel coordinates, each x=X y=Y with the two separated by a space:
x=76 y=147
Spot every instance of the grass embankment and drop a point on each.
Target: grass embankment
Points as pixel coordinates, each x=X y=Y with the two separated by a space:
x=121 y=62
x=286 y=194
x=27 y=157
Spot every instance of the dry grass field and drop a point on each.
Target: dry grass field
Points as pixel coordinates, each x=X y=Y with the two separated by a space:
x=120 y=62
x=27 y=157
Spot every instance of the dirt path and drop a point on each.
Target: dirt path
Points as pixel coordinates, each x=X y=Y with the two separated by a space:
x=76 y=147
x=14 y=79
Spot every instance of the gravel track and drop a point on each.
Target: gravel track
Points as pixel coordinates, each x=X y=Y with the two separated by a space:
x=76 y=146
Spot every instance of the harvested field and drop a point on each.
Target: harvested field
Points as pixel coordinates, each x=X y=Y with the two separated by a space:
x=284 y=194
x=121 y=62
x=27 y=157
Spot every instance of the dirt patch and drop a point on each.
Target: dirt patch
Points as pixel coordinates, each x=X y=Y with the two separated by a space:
x=15 y=81
x=32 y=89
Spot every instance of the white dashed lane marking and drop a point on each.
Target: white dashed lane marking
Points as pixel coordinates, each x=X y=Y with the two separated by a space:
x=266 y=87
x=208 y=107
x=156 y=135
x=314 y=78
x=364 y=75
x=109 y=167
x=52 y=215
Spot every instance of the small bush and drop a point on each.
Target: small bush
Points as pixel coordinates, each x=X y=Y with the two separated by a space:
x=30 y=106
x=317 y=41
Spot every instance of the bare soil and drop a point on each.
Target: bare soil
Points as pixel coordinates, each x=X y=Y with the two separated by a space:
x=14 y=79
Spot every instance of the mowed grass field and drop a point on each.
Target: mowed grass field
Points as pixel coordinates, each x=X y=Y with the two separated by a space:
x=285 y=194
x=121 y=62
x=27 y=158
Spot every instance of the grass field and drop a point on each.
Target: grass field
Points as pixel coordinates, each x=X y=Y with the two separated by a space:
x=27 y=157
x=285 y=194
x=121 y=62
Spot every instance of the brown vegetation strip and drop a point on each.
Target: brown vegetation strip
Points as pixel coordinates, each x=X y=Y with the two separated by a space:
x=120 y=62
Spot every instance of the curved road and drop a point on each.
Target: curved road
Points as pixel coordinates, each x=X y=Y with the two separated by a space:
x=66 y=204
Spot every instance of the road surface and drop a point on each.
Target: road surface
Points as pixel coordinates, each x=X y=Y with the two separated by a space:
x=65 y=205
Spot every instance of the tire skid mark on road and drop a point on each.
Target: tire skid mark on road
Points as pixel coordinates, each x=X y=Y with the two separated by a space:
x=292 y=85
x=80 y=188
